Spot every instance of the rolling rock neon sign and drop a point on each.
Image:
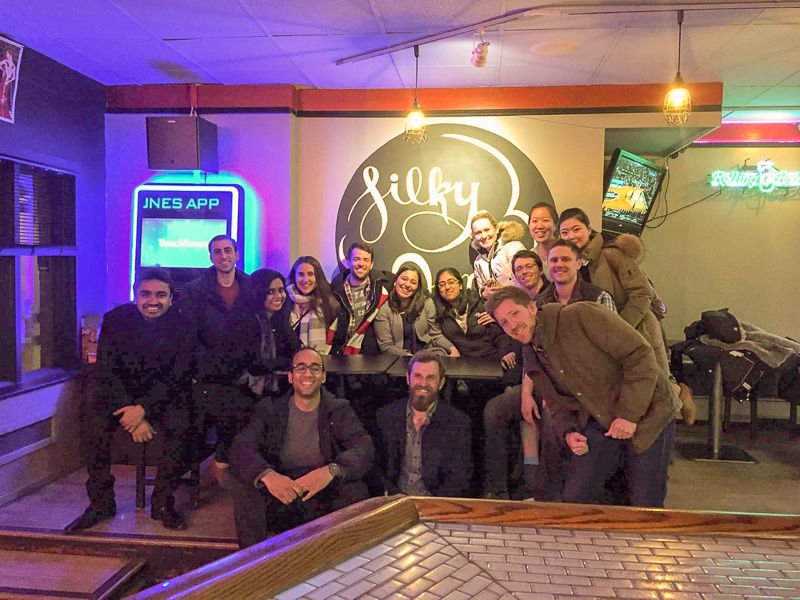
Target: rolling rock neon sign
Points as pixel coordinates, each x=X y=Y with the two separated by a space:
x=765 y=177
x=414 y=203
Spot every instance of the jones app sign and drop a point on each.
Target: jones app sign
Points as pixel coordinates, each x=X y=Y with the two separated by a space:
x=414 y=202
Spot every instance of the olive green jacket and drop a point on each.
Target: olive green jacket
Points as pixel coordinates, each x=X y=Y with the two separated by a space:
x=601 y=367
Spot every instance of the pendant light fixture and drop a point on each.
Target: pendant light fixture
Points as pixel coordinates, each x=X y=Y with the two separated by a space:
x=678 y=102
x=416 y=131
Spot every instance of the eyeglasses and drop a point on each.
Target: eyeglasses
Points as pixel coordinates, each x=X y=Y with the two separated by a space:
x=301 y=368
x=448 y=283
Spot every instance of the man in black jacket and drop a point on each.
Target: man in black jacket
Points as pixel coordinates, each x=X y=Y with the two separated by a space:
x=425 y=443
x=222 y=309
x=142 y=383
x=360 y=294
x=300 y=457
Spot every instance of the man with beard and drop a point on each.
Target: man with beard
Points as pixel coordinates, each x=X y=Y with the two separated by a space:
x=425 y=443
x=142 y=386
x=611 y=403
x=360 y=294
x=301 y=456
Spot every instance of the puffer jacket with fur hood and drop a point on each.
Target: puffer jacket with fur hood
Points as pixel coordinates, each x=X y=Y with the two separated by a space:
x=496 y=264
x=614 y=267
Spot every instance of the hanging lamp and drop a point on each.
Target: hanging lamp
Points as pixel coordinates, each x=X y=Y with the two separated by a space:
x=416 y=132
x=678 y=102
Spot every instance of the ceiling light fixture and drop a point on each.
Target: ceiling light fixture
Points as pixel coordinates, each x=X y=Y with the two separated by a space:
x=480 y=53
x=416 y=132
x=678 y=102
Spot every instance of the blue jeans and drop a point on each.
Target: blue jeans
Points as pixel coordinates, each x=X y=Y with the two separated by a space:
x=646 y=472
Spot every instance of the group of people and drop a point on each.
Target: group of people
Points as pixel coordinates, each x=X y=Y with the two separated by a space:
x=574 y=323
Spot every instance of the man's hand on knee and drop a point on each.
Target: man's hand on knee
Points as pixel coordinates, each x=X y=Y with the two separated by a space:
x=130 y=416
x=314 y=481
x=577 y=443
x=143 y=432
x=528 y=408
x=283 y=488
x=621 y=429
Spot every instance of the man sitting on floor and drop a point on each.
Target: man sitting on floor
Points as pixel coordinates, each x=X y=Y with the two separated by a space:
x=611 y=403
x=142 y=382
x=425 y=443
x=300 y=457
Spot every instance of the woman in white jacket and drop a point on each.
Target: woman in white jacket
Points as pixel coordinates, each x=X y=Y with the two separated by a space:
x=496 y=244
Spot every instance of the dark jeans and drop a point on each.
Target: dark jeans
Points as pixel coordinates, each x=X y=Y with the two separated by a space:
x=258 y=513
x=646 y=472
x=500 y=415
x=227 y=408
x=100 y=428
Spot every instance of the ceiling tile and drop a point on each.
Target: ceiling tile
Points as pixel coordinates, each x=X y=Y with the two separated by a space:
x=778 y=96
x=778 y=16
x=312 y=17
x=615 y=73
x=753 y=72
x=242 y=55
x=186 y=19
x=85 y=19
x=734 y=96
x=145 y=62
x=425 y=16
x=316 y=56
x=533 y=73
x=698 y=44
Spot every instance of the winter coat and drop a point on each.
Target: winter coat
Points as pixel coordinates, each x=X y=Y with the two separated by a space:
x=342 y=438
x=389 y=329
x=496 y=264
x=228 y=340
x=480 y=341
x=614 y=267
x=446 y=448
x=605 y=370
x=380 y=283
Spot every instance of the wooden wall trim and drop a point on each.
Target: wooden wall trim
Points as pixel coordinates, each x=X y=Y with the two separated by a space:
x=274 y=565
x=618 y=518
x=390 y=102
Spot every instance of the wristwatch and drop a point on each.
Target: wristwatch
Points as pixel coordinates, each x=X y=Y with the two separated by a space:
x=336 y=470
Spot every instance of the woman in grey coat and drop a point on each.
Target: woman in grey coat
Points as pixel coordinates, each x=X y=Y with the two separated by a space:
x=406 y=323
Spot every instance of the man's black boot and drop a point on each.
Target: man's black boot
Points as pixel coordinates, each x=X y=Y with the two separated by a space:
x=92 y=516
x=163 y=509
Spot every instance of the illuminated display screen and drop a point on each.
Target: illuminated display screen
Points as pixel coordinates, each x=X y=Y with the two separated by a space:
x=632 y=185
x=173 y=224
x=178 y=242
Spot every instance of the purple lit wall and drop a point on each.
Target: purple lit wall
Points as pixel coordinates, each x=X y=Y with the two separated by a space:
x=254 y=151
x=59 y=123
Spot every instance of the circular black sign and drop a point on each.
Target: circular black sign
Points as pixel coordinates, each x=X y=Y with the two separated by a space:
x=414 y=202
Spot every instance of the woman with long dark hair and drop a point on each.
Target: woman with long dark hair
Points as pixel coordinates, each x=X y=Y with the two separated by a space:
x=278 y=341
x=406 y=323
x=459 y=311
x=314 y=308
x=614 y=267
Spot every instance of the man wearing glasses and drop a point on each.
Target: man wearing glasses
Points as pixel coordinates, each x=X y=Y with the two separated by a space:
x=300 y=457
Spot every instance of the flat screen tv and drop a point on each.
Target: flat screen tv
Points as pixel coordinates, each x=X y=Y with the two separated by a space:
x=178 y=242
x=630 y=188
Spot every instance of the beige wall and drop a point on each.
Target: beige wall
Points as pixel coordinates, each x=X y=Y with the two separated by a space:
x=731 y=250
x=329 y=151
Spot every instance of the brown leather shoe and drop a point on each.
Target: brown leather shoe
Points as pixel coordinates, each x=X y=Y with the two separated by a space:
x=689 y=409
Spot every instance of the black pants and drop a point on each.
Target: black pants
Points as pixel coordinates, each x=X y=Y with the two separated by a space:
x=258 y=513
x=227 y=408
x=100 y=426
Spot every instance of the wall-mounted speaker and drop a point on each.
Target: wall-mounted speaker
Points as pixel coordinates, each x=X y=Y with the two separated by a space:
x=181 y=144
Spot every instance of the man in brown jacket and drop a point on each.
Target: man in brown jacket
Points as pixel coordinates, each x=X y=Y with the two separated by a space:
x=611 y=402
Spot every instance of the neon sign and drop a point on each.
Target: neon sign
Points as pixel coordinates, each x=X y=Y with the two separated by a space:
x=765 y=177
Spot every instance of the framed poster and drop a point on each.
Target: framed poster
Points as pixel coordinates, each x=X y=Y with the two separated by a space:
x=10 y=58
